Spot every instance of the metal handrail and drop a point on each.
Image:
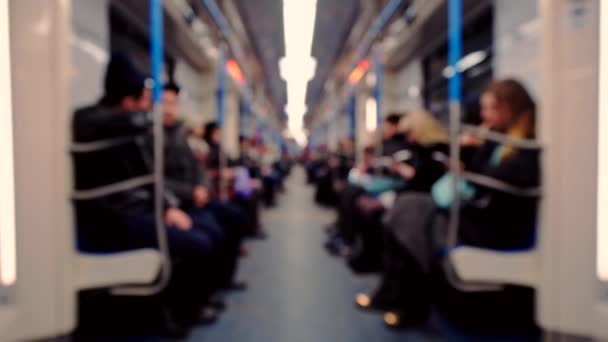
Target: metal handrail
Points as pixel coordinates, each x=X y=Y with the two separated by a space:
x=455 y=52
x=157 y=56
x=487 y=134
x=499 y=185
x=107 y=190
x=100 y=145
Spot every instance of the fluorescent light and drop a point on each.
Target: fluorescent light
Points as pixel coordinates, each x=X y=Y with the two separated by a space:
x=471 y=60
x=371 y=115
x=297 y=68
x=602 y=196
x=8 y=272
x=466 y=63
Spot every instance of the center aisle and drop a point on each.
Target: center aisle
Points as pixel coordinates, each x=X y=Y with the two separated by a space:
x=297 y=292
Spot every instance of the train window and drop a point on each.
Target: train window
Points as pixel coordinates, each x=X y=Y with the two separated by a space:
x=602 y=200
x=476 y=67
x=7 y=183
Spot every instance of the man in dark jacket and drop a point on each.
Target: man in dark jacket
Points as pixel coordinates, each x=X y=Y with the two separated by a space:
x=187 y=180
x=125 y=219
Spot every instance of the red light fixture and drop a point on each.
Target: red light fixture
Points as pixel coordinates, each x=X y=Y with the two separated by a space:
x=357 y=74
x=235 y=72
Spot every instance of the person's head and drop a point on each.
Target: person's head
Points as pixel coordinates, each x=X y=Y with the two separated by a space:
x=170 y=104
x=212 y=134
x=422 y=128
x=197 y=131
x=125 y=86
x=244 y=143
x=345 y=145
x=369 y=154
x=507 y=107
x=390 y=126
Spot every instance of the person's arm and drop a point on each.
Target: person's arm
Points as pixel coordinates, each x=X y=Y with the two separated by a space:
x=522 y=169
x=99 y=124
x=183 y=191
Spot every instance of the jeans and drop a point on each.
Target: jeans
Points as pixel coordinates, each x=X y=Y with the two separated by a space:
x=195 y=244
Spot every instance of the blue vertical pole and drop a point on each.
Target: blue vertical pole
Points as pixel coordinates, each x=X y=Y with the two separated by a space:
x=157 y=48
x=221 y=109
x=352 y=120
x=278 y=140
x=455 y=49
x=221 y=87
x=379 y=71
x=245 y=121
x=156 y=66
x=455 y=98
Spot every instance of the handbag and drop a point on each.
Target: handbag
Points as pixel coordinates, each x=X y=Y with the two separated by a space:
x=443 y=191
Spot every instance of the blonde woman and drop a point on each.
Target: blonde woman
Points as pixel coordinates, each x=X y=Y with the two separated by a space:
x=426 y=137
x=411 y=169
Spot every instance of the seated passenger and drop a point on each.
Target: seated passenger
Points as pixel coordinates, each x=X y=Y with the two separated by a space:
x=415 y=167
x=270 y=181
x=362 y=181
x=326 y=194
x=248 y=187
x=417 y=225
x=125 y=220
x=197 y=144
x=342 y=234
x=218 y=164
x=186 y=179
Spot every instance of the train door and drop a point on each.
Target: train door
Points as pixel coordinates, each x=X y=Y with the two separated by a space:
x=36 y=234
x=571 y=298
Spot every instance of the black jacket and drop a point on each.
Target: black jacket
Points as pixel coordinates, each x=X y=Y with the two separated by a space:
x=215 y=153
x=428 y=169
x=115 y=164
x=494 y=218
x=246 y=161
x=394 y=144
x=182 y=171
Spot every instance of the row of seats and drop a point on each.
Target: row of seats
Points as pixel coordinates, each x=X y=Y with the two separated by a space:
x=209 y=204
x=395 y=217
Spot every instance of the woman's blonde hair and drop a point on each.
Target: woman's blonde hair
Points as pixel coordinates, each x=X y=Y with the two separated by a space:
x=515 y=97
x=424 y=128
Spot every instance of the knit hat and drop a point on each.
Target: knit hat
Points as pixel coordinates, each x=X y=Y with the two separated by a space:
x=122 y=79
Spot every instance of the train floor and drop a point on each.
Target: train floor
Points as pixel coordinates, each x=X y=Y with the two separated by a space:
x=299 y=293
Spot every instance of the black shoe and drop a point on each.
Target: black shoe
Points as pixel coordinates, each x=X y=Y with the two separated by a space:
x=404 y=320
x=237 y=286
x=367 y=302
x=338 y=247
x=365 y=264
x=217 y=302
x=331 y=229
x=171 y=327
x=260 y=235
x=208 y=315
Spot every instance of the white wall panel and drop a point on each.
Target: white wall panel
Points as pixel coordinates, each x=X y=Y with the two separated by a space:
x=516 y=38
x=89 y=46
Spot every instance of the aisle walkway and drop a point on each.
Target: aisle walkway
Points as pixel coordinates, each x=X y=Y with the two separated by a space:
x=298 y=293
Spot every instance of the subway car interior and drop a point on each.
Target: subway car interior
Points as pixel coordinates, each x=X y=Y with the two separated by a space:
x=242 y=170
